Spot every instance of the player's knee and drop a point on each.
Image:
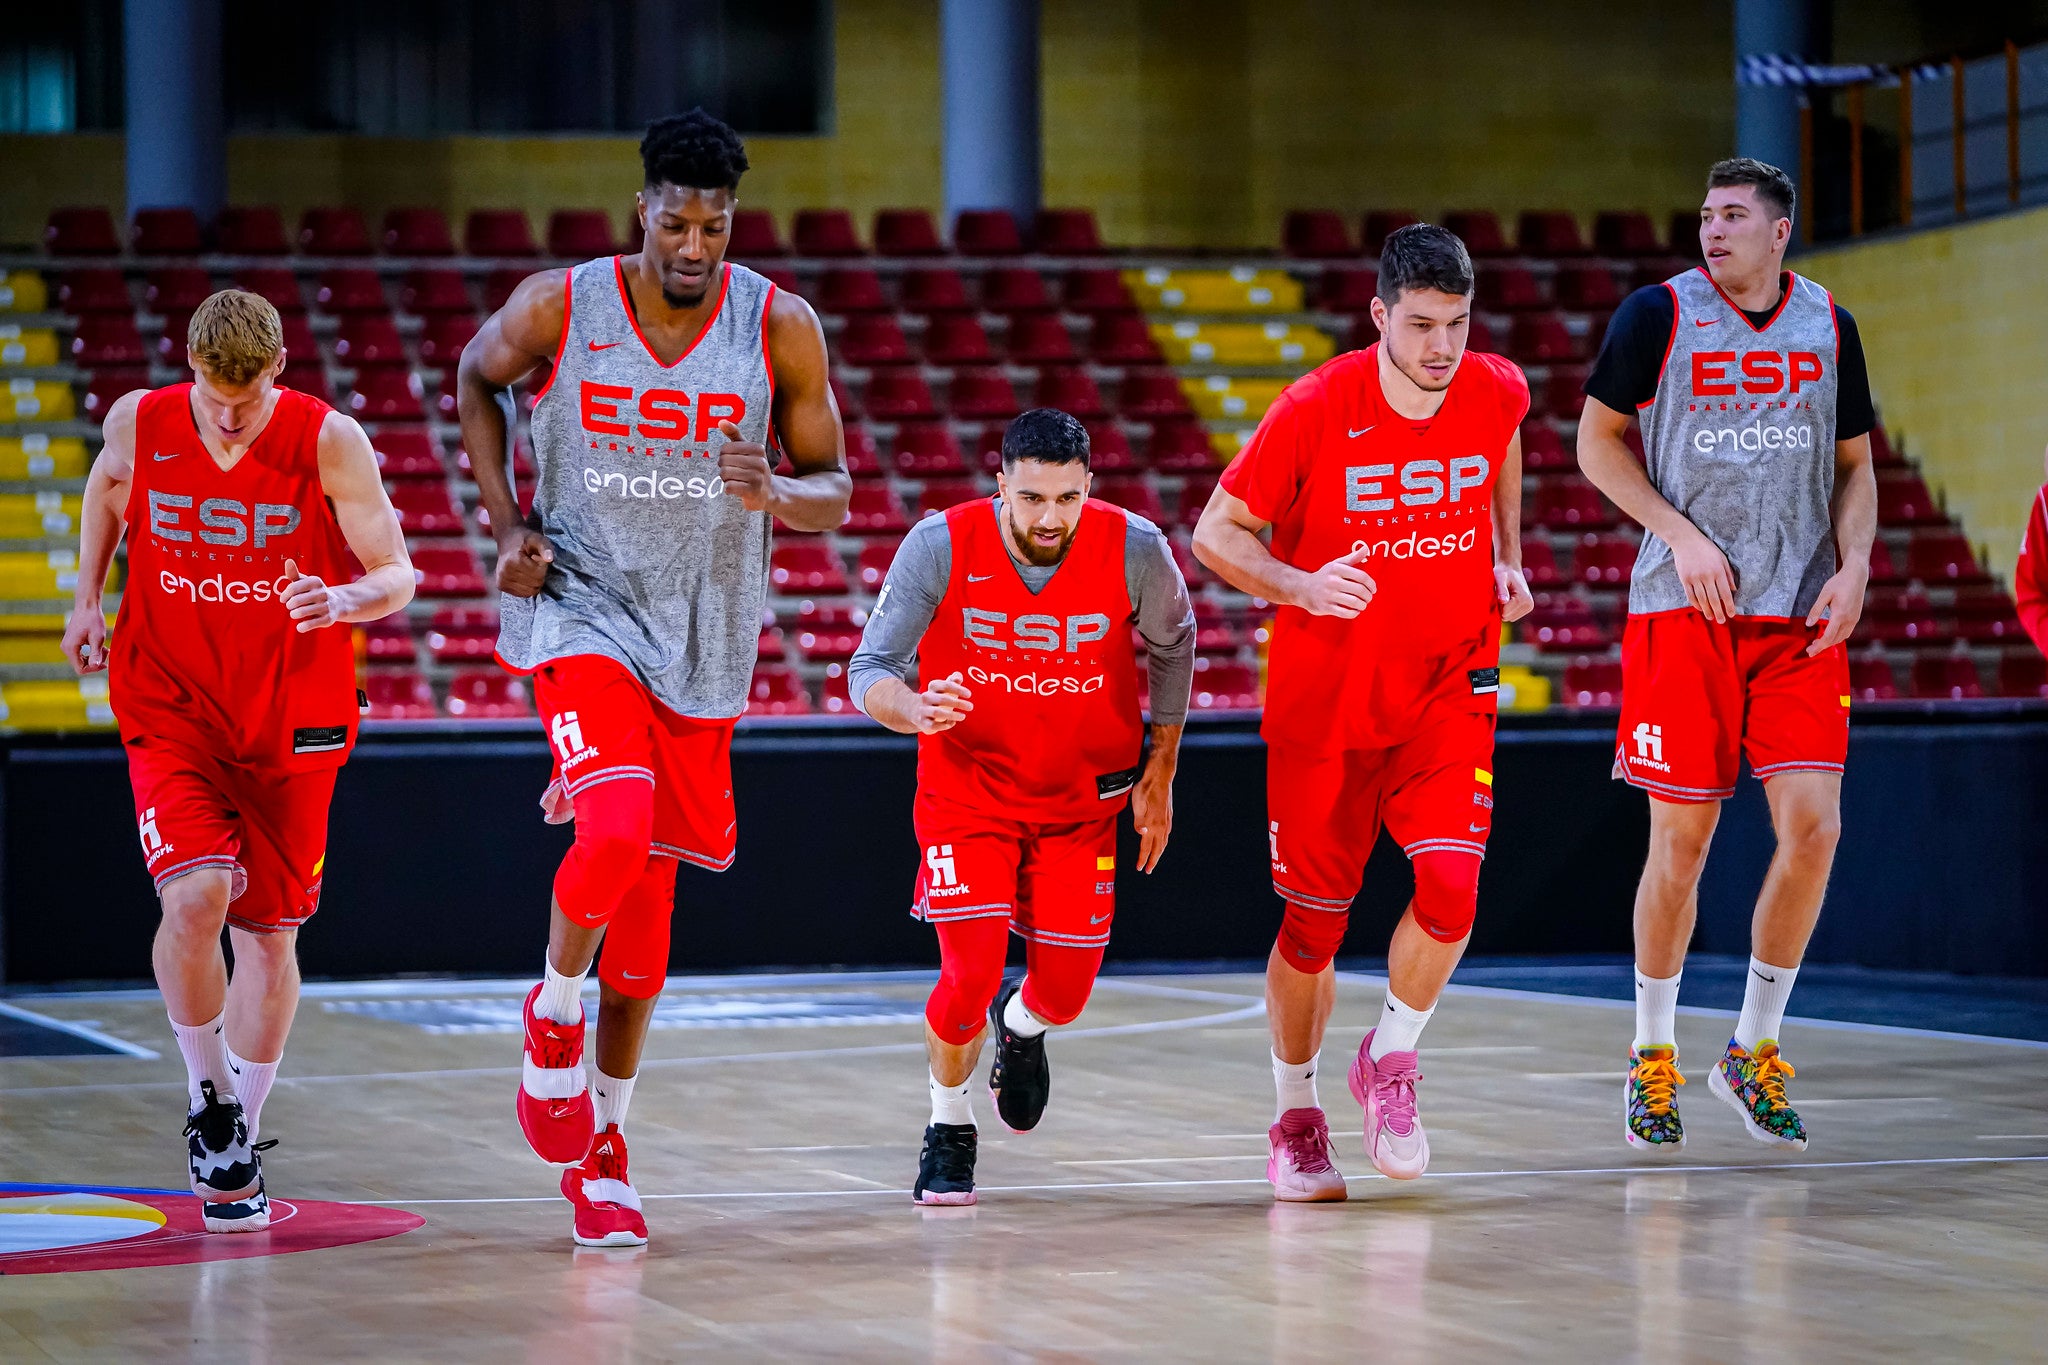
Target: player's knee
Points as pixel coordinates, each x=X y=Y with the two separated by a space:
x=970 y=974
x=1679 y=846
x=1309 y=938
x=1057 y=987
x=1810 y=830
x=197 y=903
x=1446 y=894
x=634 y=960
x=614 y=827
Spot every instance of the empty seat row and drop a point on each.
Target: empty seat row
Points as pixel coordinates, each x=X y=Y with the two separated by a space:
x=914 y=232
x=1321 y=234
x=1030 y=339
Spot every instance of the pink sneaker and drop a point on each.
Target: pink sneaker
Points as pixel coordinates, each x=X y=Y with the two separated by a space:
x=555 y=1111
x=1394 y=1140
x=1300 y=1167
x=607 y=1206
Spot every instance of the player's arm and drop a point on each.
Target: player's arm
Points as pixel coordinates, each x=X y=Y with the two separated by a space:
x=1510 y=588
x=1227 y=539
x=526 y=332
x=349 y=478
x=876 y=676
x=1855 y=516
x=101 y=521
x=806 y=421
x=1605 y=458
x=1166 y=623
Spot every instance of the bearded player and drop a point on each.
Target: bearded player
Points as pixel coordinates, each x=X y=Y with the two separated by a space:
x=1017 y=615
x=634 y=597
x=1390 y=479
x=1760 y=506
x=235 y=693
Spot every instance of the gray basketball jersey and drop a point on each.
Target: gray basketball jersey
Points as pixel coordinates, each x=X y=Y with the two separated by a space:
x=654 y=565
x=1741 y=439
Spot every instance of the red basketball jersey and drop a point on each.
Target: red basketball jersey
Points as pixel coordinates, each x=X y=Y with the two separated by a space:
x=1334 y=469
x=204 y=650
x=1056 y=730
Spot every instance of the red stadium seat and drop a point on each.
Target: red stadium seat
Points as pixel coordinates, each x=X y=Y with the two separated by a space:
x=753 y=238
x=1903 y=499
x=1195 y=493
x=1216 y=631
x=1123 y=339
x=1564 y=393
x=1347 y=291
x=499 y=284
x=1539 y=563
x=829 y=631
x=298 y=337
x=1510 y=288
x=832 y=699
x=94 y=291
x=873 y=510
x=1315 y=235
x=1657 y=269
x=851 y=291
x=1066 y=232
x=351 y=291
x=1550 y=232
x=1133 y=493
x=896 y=395
x=1193 y=570
x=333 y=231
x=1480 y=231
x=399 y=694
x=935 y=291
x=498 y=232
x=1071 y=391
x=417 y=232
x=487 y=694
x=1592 y=682
x=1882 y=453
x=176 y=291
x=1870 y=677
x=408 y=453
x=435 y=291
x=873 y=339
x=1901 y=616
x=806 y=565
x=1153 y=394
x=777 y=691
x=1942 y=557
x=1946 y=677
x=1883 y=568
x=1986 y=615
x=769 y=646
x=1543 y=450
x=1109 y=450
x=1381 y=224
x=928 y=449
x=386 y=393
x=1040 y=339
x=1178 y=446
x=1096 y=291
x=843 y=399
x=1569 y=503
x=1604 y=561
x=783 y=278
x=1014 y=290
x=1562 y=622
x=1587 y=286
x=368 y=339
x=1625 y=234
x=826 y=232
x=81 y=232
x=907 y=232
x=444 y=336
x=1543 y=339
x=938 y=495
x=957 y=339
x=522 y=468
x=447 y=570
x=279 y=287
x=871 y=565
x=388 y=640
x=862 y=460
x=170 y=347
x=584 y=234
x=982 y=395
x=168 y=232
x=308 y=376
x=425 y=508
x=1683 y=235
x=461 y=634
x=986 y=232
x=986 y=449
x=107 y=339
x=107 y=386
x=1223 y=686
x=2022 y=673
x=251 y=230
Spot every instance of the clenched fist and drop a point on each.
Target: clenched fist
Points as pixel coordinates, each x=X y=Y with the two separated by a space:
x=744 y=467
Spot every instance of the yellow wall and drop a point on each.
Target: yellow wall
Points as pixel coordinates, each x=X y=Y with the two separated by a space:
x=1955 y=324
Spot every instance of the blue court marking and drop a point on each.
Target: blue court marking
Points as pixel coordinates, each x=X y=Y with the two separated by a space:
x=25 y=1033
x=18 y=1187
x=684 y=1010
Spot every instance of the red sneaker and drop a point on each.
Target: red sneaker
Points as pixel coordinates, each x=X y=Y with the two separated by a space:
x=555 y=1111
x=607 y=1206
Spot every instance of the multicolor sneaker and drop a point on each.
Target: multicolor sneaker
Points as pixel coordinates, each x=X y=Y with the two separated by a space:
x=227 y=1168
x=607 y=1206
x=1019 y=1079
x=555 y=1110
x=1649 y=1103
x=945 y=1168
x=1394 y=1140
x=1299 y=1164
x=1755 y=1084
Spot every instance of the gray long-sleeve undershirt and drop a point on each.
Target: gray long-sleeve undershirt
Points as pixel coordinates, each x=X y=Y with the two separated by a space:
x=924 y=564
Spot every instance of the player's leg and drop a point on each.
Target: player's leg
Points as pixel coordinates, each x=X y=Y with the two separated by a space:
x=263 y=997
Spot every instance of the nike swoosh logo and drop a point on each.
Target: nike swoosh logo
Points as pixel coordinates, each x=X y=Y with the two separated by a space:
x=1361 y=431
x=636 y=976
x=603 y=346
x=979 y=577
x=232 y=1067
x=1772 y=979
x=1476 y=829
x=172 y=456
x=1097 y=919
x=1704 y=322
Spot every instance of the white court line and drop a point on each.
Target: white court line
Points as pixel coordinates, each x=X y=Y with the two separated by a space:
x=1788 y=1167
x=84 y=1031
x=2012 y=1137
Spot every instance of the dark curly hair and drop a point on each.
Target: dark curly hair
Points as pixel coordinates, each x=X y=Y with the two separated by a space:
x=693 y=151
x=1045 y=434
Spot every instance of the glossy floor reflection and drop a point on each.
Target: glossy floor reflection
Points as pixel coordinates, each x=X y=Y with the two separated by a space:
x=775 y=1134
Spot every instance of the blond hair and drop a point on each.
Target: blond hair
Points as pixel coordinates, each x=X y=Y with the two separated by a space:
x=234 y=336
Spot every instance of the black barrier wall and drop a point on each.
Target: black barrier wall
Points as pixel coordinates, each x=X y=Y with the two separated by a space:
x=439 y=861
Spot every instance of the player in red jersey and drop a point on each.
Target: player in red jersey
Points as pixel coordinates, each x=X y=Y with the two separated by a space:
x=1019 y=613
x=1391 y=481
x=2030 y=575
x=235 y=695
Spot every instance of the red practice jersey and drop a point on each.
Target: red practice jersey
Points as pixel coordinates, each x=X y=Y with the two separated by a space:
x=203 y=650
x=1056 y=729
x=2030 y=577
x=1334 y=469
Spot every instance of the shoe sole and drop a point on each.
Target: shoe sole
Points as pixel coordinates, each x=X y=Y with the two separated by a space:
x=1639 y=1143
x=1286 y=1196
x=1717 y=1085
x=944 y=1199
x=610 y=1239
x=1356 y=1079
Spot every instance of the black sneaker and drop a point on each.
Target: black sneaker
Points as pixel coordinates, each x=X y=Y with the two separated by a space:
x=226 y=1168
x=1019 y=1080
x=945 y=1169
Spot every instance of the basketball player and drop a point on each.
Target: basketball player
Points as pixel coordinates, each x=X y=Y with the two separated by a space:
x=1760 y=507
x=634 y=597
x=1017 y=614
x=2030 y=575
x=234 y=692
x=1391 y=480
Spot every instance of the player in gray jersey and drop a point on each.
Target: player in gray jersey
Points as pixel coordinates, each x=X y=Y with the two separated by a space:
x=1759 y=507
x=634 y=594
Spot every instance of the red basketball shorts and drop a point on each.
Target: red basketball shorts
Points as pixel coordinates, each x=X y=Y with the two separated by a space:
x=267 y=827
x=1433 y=793
x=605 y=726
x=1697 y=698
x=1056 y=884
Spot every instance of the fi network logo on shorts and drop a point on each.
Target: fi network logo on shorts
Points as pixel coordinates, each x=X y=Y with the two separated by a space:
x=566 y=734
x=942 y=878
x=1650 y=747
x=153 y=845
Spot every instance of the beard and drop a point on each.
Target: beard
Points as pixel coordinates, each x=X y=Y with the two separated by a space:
x=675 y=300
x=1033 y=553
x=1423 y=379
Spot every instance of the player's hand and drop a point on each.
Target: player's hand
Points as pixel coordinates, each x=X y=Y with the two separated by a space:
x=1152 y=815
x=942 y=705
x=1703 y=569
x=313 y=604
x=1841 y=602
x=1341 y=588
x=744 y=467
x=523 y=558
x=85 y=640
x=1511 y=590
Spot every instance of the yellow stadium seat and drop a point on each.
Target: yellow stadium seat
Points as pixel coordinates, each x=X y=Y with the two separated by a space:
x=23 y=291
x=36 y=400
x=1226 y=444
x=24 y=516
x=1221 y=398
x=1242 y=343
x=1238 y=290
x=36 y=456
x=40 y=647
x=59 y=704
x=28 y=575
x=27 y=345
x=1523 y=689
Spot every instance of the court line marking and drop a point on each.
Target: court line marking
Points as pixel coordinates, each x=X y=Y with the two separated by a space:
x=2012 y=1137
x=83 y=1031
x=1792 y=1167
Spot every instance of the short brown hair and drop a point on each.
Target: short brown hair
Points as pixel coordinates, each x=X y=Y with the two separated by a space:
x=1773 y=186
x=234 y=336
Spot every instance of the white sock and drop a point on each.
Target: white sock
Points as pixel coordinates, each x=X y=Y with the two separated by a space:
x=1656 y=1010
x=252 y=1087
x=1399 y=1029
x=1294 y=1085
x=561 y=997
x=1021 y=1021
x=950 y=1103
x=205 y=1050
x=1763 y=1004
x=611 y=1095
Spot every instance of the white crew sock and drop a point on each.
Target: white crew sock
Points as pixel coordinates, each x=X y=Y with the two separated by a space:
x=205 y=1050
x=950 y=1103
x=1656 y=1010
x=561 y=997
x=610 y=1095
x=1763 y=1004
x=1021 y=1021
x=1294 y=1085
x=1399 y=1029
x=252 y=1087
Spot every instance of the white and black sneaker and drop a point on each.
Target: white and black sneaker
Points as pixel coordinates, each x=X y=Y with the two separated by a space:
x=945 y=1168
x=227 y=1169
x=1019 y=1078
